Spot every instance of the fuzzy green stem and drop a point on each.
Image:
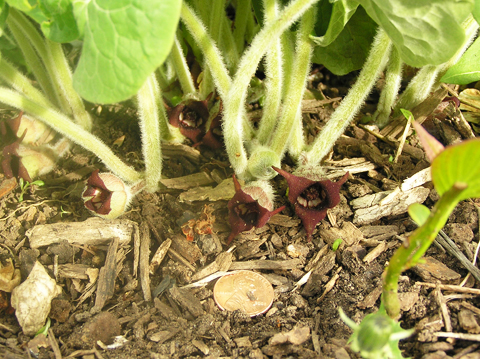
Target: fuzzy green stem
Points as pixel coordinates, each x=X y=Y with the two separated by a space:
x=38 y=42
x=393 y=79
x=33 y=61
x=234 y=112
x=63 y=125
x=215 y=22
x=354 y=100
x=13 y=77
x=182 y=70
x=212 y=55
x=296 y=89
x=274 y=79
x=242 y=12
x=228 y=46
x=63 y=77
x=415 y=247
x=150 y=129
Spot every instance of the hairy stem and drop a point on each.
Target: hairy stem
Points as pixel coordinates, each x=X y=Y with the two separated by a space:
x=234 y=112
x=150 y=129
x=63 y=77
x=182 y=70
x=212 y=55
x=242 y=13
x=13 y=77
x=415 y=247
x=393 y=79
x=64 y=126
x=354 y=100
x=274 y=79
x=300 y=70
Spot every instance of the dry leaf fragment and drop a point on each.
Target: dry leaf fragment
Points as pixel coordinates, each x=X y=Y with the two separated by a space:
x=9 y=276
x=32 y=299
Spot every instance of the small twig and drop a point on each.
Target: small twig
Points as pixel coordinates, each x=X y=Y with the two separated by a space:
x=178 y=257
x=450 y=287
x=402 y=140
x=462 y=336
x=54 y=344
x=465 y=351
x=442 y=303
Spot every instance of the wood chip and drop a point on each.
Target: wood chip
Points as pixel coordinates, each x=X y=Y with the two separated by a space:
x=222 y=263
x=144 y=266
x=185 y=299
x=190 y=181
x=106 y=279
x=368 y=208
x=432 y=270
x=94 y=231
x=267 y=264
x=159 y=255
x=224 y=191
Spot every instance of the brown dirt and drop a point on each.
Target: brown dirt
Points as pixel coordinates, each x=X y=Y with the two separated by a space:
x=163 y=328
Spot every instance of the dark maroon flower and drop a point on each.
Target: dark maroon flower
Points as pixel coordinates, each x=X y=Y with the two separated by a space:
x=214 y=137
x=190 y=117
x=311 y=199
x=106 y=195
x=250 y=207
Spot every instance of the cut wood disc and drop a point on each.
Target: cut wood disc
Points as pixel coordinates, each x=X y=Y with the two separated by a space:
x=244 y=290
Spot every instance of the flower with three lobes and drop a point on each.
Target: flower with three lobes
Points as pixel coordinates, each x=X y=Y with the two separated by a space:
x=250 y=207
x=312 y=198
x=106 y=195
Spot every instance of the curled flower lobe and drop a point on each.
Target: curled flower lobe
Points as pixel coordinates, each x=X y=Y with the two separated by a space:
x=190 y=117
x=106 y=195
x=311 y=199
x=248 y=210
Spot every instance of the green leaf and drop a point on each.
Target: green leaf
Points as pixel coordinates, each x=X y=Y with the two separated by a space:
x=30 y=8
x=341 y=12
x=61 y=26
x=350 y=48
x=425 y=32
x=458 y=164
x=467 y=69
x=124 y=42
x=418 y=213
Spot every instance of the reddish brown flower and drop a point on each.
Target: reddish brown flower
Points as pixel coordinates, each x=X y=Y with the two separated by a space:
x=191 y=117
x=250 y=207
x=106 y=195
x=311 y=199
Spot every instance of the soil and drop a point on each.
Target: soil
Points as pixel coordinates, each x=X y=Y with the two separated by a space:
x=186 y=323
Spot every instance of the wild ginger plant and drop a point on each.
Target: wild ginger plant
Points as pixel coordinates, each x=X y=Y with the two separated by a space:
x=135 y=47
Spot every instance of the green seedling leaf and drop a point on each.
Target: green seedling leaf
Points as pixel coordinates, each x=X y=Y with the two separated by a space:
x=350 y=48
x=336 y=244
x=430 y=144
x=408 y=115
x=418 y=213
x=458 y=164
x=341 y=12
x=467 y=69
x=425 y=32
x=124 y=42
x=44 y=330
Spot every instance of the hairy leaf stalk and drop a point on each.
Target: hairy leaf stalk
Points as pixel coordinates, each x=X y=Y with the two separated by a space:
x=234 y=111
x=354 y=100
x=64 y=126
x=393 y=79
x=273 y=81
x=182 y=70
x=150 y=129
